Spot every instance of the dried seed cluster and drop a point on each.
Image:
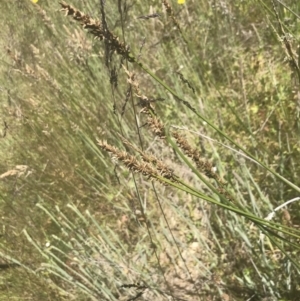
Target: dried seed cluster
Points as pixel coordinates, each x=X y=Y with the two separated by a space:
x=163 y=169
x=156 y=127
x=202 y=164
x=146 y=167
x=96 y=28
x=171 y=14
x=146 y=104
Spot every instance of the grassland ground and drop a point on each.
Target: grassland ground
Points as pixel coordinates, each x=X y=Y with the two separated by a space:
x=144 y=144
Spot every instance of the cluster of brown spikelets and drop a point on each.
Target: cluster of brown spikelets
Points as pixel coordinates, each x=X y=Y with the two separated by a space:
x=148 y=165
x=171 y=14
x=99 y=30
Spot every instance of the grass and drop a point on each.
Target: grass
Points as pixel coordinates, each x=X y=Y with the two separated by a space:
x=144 y=154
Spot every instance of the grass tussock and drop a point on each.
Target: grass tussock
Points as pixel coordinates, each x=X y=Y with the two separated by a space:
x=150 y=151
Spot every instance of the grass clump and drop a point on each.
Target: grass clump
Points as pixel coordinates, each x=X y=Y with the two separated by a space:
x=144 y=163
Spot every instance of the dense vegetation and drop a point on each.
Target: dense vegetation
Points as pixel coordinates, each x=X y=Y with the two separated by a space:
x=149 y=149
